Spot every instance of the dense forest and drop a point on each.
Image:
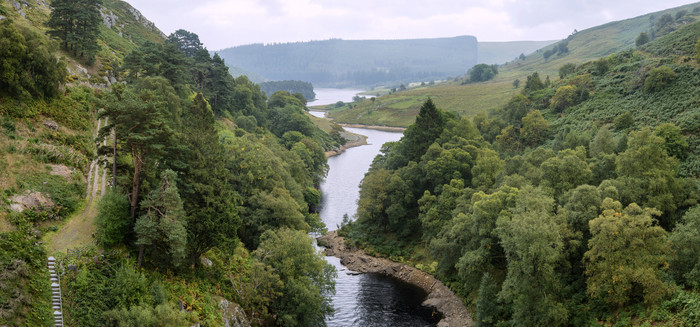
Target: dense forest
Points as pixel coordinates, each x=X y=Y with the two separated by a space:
x=345 y=63
x=574 y=204
x=305 y=88
x=214 y=187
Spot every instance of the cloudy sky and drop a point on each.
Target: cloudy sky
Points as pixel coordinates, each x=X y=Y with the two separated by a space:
x=225 y=23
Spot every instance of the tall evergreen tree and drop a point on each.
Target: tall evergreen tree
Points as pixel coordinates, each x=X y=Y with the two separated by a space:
x=209 y=201
x=162 y=224
x=76 y=23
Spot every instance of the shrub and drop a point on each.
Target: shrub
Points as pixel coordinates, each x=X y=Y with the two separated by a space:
x=112 y=219
x=658 y=78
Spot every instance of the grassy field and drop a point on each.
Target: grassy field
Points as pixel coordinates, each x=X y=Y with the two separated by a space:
x=400 y=109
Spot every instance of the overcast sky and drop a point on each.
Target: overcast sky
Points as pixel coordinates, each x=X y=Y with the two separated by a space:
x=225 y=23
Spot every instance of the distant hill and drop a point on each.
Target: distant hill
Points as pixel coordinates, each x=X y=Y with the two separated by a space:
x=400 y=108
x=502 y=52
x=338 y=63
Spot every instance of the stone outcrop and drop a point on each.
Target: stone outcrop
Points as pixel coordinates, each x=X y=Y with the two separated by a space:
x=440 y=297
x=30 y=200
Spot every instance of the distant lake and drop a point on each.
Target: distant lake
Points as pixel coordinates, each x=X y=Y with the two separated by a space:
x=326 y=96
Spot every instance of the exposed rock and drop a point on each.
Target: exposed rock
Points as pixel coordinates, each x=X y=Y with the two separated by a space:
x=72 y=268
x=30 y=200
x=22 y=13
x=206 y=262
x=2 y=17
x=440 y=297
x=16 y=5
x=233 y=314
x=25 y=4
x=145 y=22
x=61 y=170
x=50 y=124
x=108 y=18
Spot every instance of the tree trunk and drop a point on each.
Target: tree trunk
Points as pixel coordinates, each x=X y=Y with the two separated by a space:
x=135 y=187
x=114 y=160
x=140 y=256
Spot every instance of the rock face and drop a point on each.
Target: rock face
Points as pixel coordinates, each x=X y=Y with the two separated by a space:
x=30 y=200
x=440 y=297
x=108 y=18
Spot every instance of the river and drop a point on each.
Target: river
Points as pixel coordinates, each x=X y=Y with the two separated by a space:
x=365 y=300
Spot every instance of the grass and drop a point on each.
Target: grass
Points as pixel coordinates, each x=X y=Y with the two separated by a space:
x=76 y=231
x=400 y=109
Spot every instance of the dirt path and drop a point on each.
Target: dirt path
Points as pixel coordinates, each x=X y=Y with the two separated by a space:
x=79 y=229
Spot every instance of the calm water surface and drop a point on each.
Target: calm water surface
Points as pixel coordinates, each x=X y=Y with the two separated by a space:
x=329 y=96
x=365 y=300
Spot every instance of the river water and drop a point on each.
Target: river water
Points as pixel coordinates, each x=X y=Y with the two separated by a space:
x=367 y=300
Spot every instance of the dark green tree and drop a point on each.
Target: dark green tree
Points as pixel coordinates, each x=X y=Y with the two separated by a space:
x=209 y=201
x=162 y=225
x=28 y=65
x=642 y=39
x=421 y=134
x=143 y=116
x=76 y=23
x=186 y=41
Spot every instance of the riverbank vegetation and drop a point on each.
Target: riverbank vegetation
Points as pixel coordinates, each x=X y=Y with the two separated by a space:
x=214 y=189
x=572 y=204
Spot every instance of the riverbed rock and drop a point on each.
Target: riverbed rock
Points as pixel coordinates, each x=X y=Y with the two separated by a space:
x=440 y=297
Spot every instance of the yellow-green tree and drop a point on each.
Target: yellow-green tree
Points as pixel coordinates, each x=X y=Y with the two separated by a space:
x=624 y=255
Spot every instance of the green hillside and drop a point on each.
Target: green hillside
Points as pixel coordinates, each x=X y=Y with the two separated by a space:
x=502 y=52
x=577 y=203
x=175 y=191
x=471 y=99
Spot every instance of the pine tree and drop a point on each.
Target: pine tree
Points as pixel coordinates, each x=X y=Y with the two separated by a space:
x=163 y=222
x=209 y=201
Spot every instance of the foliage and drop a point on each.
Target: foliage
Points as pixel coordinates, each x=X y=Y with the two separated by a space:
x=642 y=39
x=308 y=281
x=685 y=240
x=24 y=286
x=482 y=73
x=305 y=88
x=28 y=66
x=566 y=70
x=624 y=253
x=76 y=24
x=534 y=129
x=658 y=78
x=162 y=225
x=112 y=219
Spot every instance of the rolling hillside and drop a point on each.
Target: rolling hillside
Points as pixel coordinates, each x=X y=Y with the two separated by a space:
x=398 y=109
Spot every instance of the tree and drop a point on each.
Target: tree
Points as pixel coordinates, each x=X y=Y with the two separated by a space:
x=76 y=23
x=421 y=134
x=603 y=142
x=482 y=73
x=566 y=70
x=486 y=169
x=112 y=219
x=674 y=141
x=566 y=171
x=625 y=253
x=534 y=129
x=642 y=39
x=564 y=97
x=533 y=83
x=186 y=41
x=209 y=201
x=697 y=51
x=658 y=78
x=152 y=60
x=516 y=83
x=531 y=236
x=163 y=224
x=28 y=65
x=143 y=117
x=685 y=241
x=307 y=279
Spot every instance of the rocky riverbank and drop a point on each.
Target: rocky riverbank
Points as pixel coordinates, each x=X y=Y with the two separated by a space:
x=353 y=141
x=440 y=297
